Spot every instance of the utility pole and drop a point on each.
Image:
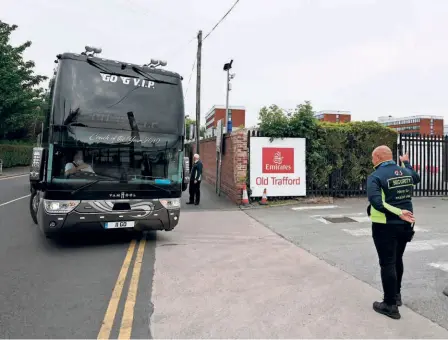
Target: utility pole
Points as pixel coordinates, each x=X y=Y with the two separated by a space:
x=198 y=91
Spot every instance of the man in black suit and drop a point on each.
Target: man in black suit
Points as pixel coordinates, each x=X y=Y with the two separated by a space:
x=195 y=181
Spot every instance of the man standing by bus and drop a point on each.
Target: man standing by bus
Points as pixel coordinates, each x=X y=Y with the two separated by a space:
x=195 y=181
x=389 y=190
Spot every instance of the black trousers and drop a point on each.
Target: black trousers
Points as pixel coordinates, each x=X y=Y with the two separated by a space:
x=390 y=242
x=195 y=192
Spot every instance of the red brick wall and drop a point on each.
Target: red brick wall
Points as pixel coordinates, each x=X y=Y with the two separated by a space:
x=234 y=163
x=425 y=127
x=343 y=118
x=238 y=117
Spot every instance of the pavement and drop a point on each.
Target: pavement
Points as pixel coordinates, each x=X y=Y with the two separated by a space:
x=220 y=274
x=17 y=171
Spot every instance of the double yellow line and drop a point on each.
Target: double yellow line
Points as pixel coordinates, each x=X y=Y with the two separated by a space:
x=128 y=314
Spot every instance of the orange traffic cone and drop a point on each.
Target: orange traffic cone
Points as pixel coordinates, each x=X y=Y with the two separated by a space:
x=264 y=198
x=245 y=200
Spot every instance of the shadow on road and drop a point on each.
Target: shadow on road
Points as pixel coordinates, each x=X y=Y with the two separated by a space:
x=100 y=238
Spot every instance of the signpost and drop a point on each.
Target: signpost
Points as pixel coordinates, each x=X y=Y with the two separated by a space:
x=278 y=166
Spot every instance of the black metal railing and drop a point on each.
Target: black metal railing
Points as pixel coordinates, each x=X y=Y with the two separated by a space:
x=429 y=157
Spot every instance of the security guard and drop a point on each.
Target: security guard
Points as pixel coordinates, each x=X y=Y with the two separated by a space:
x=389 y=190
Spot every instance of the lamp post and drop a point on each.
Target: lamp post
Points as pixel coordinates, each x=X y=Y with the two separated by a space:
x=227 y=67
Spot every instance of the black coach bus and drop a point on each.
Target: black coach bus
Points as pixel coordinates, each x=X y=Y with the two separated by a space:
x=111 y=154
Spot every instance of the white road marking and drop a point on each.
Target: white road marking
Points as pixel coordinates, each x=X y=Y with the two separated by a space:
x=359 y=232
x=440 y=265
x=361 y=219
x=315 y=207
x=12 y=177
x=337 y=215
x=422 y=230
x=368 y=232
x=425 y=245
x=323 y=220
x=16 y=199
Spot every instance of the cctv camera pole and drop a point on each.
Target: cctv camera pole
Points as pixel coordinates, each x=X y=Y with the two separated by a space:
x=227 y=68
x=227 y=101
x=198 y=90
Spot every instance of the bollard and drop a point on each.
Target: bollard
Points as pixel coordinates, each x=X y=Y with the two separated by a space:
x=445 y=291
x=1 y=167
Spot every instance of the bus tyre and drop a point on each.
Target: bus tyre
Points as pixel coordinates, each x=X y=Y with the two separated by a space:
x=34 y=206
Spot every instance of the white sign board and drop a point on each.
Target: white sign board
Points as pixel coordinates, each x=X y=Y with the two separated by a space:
x=191 y=131
x=278 y=166
x=218 y=135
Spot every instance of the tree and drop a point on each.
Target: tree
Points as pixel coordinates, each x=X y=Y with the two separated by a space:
x=21 y=99
x=276 y=123
x=189 y=122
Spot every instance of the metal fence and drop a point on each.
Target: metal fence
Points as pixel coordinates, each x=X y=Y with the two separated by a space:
x=429 y=157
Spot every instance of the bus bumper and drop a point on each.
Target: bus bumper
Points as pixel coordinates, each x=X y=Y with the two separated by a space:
x=160 y=219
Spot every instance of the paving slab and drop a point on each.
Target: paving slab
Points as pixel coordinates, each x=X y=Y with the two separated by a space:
x=224 y=275
x=209 y=200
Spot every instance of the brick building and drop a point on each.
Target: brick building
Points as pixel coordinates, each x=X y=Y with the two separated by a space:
x=334 y=116
x=237 y=114
x=415 y=125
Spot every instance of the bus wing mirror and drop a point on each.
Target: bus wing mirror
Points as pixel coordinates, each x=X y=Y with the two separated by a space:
x=37 y=165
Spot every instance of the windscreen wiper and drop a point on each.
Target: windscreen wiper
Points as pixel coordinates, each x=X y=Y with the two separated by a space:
x=156 y=186
x=90 y=184
x=150 y=77
x=160 y=188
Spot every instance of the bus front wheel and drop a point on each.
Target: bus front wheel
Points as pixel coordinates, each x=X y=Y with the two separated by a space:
x=34 y=205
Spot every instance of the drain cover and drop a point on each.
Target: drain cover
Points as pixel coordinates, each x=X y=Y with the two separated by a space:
x=343 y=219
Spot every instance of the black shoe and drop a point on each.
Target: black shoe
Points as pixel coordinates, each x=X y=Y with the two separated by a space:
x=196 y=203
x=388 y=310
x=189 y=203
x=399 y=302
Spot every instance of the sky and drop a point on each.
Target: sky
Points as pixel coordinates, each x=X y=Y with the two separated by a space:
x=370 y=57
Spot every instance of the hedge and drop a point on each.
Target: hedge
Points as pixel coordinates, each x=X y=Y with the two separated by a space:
x=341 y=156
x=15 y=155
x=338 y=155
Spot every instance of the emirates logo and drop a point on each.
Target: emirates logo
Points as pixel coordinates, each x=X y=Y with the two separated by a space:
x=278 y=158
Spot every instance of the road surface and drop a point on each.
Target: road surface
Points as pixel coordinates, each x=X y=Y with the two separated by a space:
x=220 y=274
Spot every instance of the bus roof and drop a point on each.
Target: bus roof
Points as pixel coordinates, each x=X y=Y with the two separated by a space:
x=106 y=62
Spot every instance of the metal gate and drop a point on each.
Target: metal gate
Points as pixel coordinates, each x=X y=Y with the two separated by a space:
x=429 y=157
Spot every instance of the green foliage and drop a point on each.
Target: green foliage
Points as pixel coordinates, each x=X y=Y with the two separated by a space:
x=15 y=155
x=338 y=156
x=189 y=122
x=22 y=101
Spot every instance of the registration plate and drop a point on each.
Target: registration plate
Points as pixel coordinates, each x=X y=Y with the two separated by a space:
x=121 y=224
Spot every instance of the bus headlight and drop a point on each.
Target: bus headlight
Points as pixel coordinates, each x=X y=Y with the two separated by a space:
x=170 y=203
x=60 y=207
